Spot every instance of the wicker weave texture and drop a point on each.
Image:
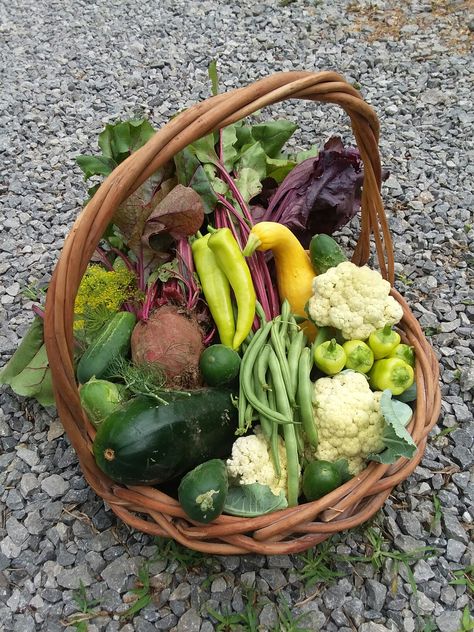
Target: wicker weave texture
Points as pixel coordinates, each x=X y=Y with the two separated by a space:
x=146 y=508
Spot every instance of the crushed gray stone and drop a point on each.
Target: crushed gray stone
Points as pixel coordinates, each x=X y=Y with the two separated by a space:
x=77 y=66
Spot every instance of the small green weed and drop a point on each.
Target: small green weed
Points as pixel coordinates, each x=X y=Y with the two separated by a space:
x=167 y=549
x=464 y=577
x=429 y=626
x=437 y=513
x=319 y=564
x=287 y=621
x=377 y=555
x=430 y=331
x=143 y=592
x=404 y=279
x=86 y=607
x=467 y=622
x=248 y=620
x=446 y=431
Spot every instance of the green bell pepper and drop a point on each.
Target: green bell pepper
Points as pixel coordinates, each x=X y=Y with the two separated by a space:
x=404 y=352
x=391 y=373
x=383 y=341
x=359 y=356
x=330 y=357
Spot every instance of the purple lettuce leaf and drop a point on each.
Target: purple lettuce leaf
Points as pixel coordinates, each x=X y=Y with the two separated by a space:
x=320 y=195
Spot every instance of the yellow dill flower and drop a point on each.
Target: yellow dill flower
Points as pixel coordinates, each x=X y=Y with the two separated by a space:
x=103 y=291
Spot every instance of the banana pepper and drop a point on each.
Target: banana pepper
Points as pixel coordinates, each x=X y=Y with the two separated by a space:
x=221 y=266
x=232 y=262
x=216 y=289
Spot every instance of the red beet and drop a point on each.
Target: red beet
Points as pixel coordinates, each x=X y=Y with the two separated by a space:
x=173 y=341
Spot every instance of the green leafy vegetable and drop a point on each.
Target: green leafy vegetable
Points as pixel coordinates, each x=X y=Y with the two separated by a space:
x=191 y=173
x=273 y=135
x=116 y=142
x=252 y=500
x=35 y=379
x=27 y=349
x=409 y=395
x=397 y=440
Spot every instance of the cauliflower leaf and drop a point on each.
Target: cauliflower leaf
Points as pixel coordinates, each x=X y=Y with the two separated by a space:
x=397 y=440
x=248 y=501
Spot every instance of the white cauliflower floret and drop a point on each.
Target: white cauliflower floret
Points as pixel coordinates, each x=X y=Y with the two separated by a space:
x=348 y=418
x=353 y=299
x=251 y=462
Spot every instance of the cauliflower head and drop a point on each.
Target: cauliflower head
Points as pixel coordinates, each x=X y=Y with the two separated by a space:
x=251 y=462
x=354 y=300
x=348 y=418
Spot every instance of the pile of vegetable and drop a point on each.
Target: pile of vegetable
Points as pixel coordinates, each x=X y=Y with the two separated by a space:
x=226 y=349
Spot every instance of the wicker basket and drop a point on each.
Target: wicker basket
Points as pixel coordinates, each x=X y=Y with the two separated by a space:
x=148 y=509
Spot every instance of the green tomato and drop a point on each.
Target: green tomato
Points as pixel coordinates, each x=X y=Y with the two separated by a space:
x=405 y=353
x=359 y=356
x=391 y=373
x=330 y=357
x=320 y=478
x=383 y=341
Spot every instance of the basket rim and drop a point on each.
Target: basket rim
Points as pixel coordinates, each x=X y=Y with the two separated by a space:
x=288 y=530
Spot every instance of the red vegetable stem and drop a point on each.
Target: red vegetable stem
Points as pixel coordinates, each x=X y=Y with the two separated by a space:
x=100 y=253
x=225 y=175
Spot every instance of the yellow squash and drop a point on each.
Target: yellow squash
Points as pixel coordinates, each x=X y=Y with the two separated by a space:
x=294 y=271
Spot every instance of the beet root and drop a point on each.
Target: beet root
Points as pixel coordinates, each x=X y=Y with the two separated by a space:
x=173 y=341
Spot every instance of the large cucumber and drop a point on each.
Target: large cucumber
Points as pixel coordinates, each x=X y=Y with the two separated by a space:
x=111 y=343
x=325 y=253
x=145 y=442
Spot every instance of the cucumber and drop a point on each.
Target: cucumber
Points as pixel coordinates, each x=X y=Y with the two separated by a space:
x=203 y=491
x=111 y=343
x=99 y=398
x=325 y=253
x=148 y=443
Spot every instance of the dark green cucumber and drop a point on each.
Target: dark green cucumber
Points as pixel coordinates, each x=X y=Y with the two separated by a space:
x=325 y=253
x=203 y=491
x=111 y=343
x=145 y=442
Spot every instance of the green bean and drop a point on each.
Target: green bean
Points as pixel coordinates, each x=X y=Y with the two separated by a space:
x=279 y=348
x=265 y=423
x=274 y=440
x=283 y=405
x=262 y=367
x=246 y=375
x=293 y=327
x=294 y=352
x=242 y=407
x=261 y=314
x=304 y=399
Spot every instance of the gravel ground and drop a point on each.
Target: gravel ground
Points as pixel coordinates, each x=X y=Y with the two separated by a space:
x=68 y=67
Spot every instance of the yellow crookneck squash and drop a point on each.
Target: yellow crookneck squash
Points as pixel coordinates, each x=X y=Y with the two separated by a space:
x=294 y=271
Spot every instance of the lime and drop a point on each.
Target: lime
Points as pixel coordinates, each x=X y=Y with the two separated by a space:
x=320 y=478
x=219 y=365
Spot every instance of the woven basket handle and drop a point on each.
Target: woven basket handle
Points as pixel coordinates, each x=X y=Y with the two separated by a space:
x=197 y=121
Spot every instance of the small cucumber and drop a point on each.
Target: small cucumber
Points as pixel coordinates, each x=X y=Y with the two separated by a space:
x=99 y=399
x=203 y=491
x=111 y=343
x=325 y=253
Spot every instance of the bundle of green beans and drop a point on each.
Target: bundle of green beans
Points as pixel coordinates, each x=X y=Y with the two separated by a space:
x=275 y=389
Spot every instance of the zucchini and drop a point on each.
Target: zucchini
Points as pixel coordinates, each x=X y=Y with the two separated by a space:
x=325 y=253
x=203 y=491
x=99 y=399
x=112 y=342
x=145 y=442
